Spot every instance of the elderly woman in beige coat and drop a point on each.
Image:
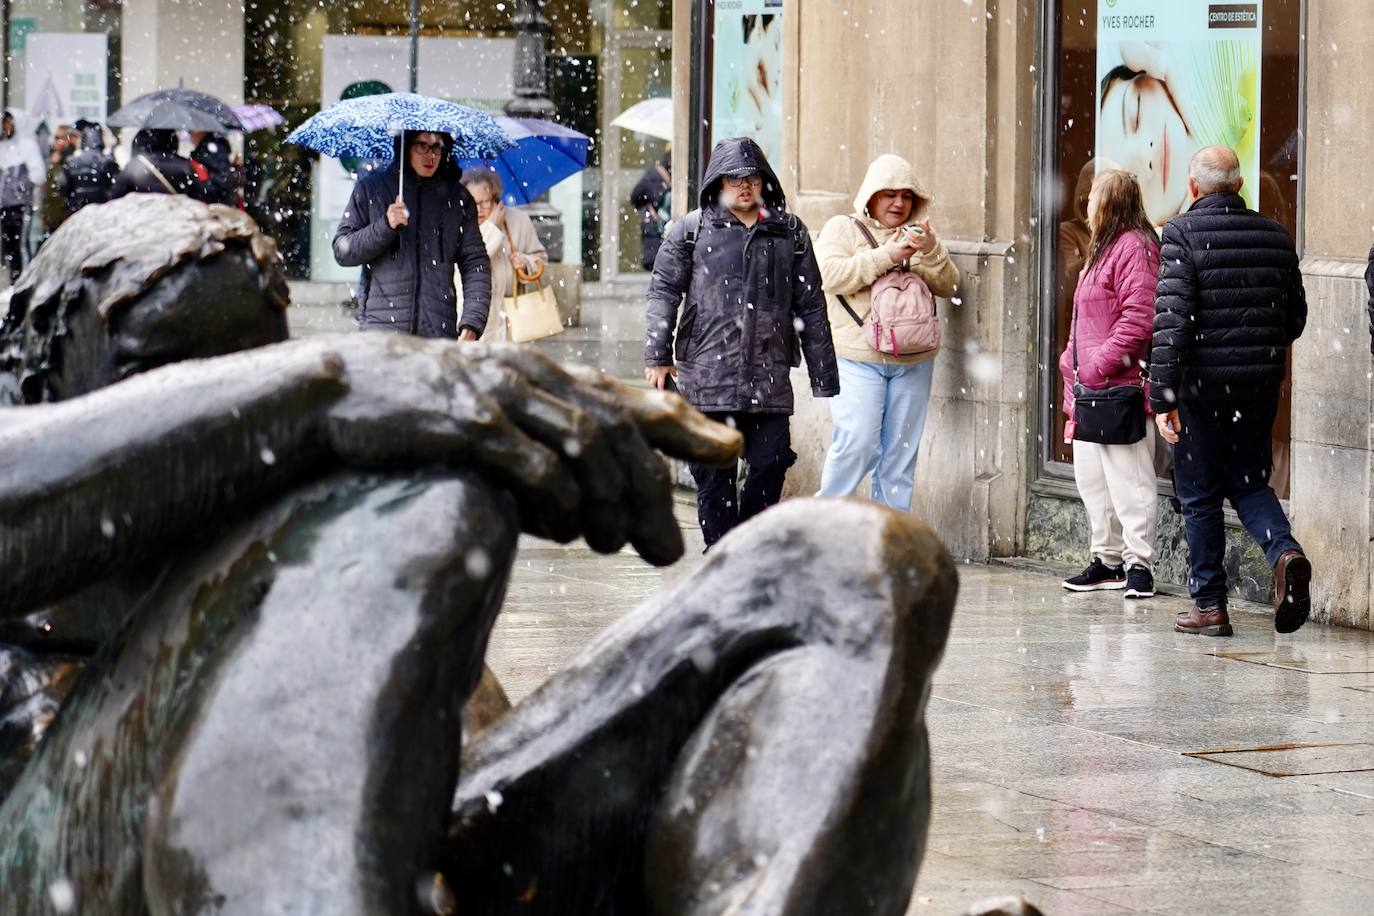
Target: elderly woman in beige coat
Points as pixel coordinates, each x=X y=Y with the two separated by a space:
x=880 y=412
x=512 y=244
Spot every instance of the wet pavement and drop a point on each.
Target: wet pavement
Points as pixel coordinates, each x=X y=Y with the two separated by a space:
x=1085 y=756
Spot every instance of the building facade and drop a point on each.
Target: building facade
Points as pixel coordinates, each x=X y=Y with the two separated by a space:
x=602 y=56
x=1002 y=107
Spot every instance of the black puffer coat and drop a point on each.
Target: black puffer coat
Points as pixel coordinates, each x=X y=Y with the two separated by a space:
x=88 y=177
x=750 y=293
x=158 y=149
x=408 y=272
x=1229 y=303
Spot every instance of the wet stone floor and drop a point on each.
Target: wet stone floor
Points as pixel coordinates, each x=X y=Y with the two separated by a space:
x=1084 y=755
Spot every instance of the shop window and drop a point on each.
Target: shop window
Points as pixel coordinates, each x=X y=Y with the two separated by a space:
x=1141 y=85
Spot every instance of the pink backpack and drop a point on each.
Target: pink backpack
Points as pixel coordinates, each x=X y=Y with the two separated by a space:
x=903 y=319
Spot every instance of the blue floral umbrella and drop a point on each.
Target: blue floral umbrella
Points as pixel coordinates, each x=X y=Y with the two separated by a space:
x=543 y=154
x=367 y=127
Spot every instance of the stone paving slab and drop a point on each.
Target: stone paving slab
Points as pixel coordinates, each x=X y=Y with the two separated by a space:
x=1059 y=725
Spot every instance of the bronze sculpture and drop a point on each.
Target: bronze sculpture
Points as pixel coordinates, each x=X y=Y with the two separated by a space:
x=259 y=585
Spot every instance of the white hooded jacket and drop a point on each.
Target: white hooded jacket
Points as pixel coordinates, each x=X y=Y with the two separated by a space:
x=849 y=264
x=21 y=165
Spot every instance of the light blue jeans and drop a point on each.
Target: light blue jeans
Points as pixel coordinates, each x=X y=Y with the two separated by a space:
x=879 y=416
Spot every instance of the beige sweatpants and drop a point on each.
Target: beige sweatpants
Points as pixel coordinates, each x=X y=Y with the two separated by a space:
x=1117 y=485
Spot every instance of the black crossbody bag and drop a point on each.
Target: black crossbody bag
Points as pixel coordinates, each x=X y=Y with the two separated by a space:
x=1107 y=416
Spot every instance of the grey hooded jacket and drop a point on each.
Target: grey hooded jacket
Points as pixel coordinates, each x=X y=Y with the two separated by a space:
x=750 y=298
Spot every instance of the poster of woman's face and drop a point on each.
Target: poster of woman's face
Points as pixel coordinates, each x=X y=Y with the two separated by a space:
x=1171 y=81
x=747 y=85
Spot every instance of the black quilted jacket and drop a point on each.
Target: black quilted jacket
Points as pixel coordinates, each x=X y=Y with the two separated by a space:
x=1229 y=303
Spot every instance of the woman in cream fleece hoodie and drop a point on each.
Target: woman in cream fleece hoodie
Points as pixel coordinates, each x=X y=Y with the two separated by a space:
x=880 y=412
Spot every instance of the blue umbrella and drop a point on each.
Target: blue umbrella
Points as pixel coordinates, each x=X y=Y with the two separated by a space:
x=367 y=127
x=544 y=153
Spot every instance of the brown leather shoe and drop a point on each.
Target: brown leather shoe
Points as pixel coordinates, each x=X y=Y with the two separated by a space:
x=1292 y=593
x=1211 y=621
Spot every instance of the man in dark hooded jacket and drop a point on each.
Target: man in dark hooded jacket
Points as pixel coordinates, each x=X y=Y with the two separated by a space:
x=89 y=175
x=408 y=248
x=744 y=273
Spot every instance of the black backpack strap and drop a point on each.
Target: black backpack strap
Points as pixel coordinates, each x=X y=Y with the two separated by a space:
x=692 y=222
x=852 y=313
x=801 y=239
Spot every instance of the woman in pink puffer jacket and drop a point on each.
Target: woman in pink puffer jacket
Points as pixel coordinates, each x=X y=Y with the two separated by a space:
x=1114 y=309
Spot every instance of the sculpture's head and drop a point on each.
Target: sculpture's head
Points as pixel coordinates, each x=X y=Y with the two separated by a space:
x=134 y=284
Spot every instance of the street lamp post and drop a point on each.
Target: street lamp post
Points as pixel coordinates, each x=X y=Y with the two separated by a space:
x=532 y=101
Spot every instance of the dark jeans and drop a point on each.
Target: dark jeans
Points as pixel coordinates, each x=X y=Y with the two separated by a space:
x=1226 y=452
x=768 y=454
x=12 y=240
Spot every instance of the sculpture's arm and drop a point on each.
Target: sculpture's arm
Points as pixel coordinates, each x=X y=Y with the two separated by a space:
x=114 y=476
x=118 y=475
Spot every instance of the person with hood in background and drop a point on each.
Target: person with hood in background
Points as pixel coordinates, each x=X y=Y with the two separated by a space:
x=744 y=274
x=155 y=168
x=408 y=248
x=652 y=196
x=880 y=413
x=21 y=174
x=88 y=177
x=221 y=181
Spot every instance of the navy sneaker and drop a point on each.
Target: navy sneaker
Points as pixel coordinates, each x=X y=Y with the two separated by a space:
x=1096 y=577
x=1139 y=583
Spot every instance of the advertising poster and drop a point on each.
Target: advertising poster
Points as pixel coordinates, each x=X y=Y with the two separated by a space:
x=65 y=77
x=746 y=89
x=1175 y=76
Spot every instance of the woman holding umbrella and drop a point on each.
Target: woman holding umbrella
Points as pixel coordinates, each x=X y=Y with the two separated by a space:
x=408 y=225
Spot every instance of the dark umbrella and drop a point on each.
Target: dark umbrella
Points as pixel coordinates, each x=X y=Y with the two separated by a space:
x=177 y=109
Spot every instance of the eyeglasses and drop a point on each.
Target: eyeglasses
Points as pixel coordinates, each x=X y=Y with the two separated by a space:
x=485 y=202
x=428 y=149
x=739 y=181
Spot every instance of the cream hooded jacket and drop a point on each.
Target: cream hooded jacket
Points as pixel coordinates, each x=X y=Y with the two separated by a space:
x=849 y=264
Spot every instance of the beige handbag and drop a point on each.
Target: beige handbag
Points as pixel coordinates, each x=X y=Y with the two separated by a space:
x=533 y=315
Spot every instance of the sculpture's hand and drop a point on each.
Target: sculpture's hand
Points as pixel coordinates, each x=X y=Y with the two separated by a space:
x=574 y=447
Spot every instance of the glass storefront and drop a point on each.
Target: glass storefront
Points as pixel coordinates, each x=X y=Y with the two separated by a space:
x=603 y=55
x=1142 y=85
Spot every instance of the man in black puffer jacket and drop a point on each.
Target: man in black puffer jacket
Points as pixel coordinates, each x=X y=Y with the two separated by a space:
x=743 y=271
x=408 y=249
x=1230 y=302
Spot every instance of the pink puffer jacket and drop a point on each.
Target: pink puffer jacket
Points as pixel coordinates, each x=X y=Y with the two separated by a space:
x=1115 y=302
